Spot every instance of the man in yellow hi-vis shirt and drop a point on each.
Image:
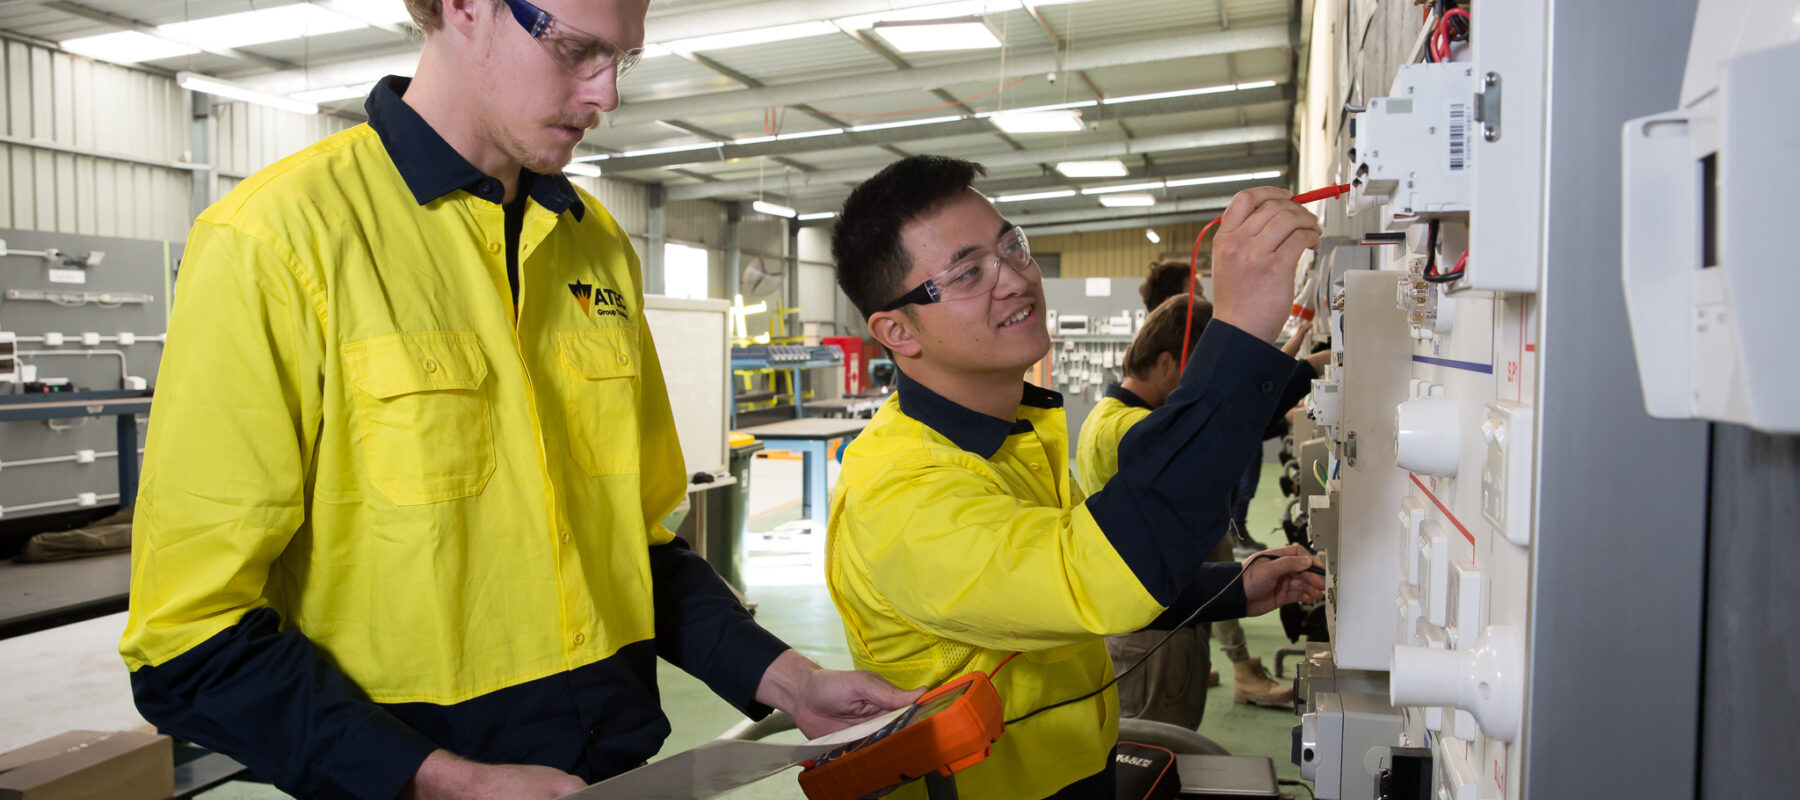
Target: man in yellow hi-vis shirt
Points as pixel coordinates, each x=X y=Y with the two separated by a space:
x=957 y=536
x=399 y=530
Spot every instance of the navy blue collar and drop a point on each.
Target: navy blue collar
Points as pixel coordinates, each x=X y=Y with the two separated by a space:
x=967 y=428
x=1117 y=391
x=432 y=168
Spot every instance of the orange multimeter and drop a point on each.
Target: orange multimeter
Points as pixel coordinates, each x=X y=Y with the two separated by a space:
x=949 y=729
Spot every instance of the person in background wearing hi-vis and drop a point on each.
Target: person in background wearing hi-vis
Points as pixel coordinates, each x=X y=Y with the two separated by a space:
x=1171 y=685
x=400 y=526
x=958 y=536
x=1251 y=682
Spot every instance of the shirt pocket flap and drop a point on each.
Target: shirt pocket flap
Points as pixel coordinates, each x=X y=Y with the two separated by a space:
x=601 y=354
x=404 y=363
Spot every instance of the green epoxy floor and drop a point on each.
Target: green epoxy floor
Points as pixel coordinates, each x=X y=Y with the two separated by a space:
x=797 y=607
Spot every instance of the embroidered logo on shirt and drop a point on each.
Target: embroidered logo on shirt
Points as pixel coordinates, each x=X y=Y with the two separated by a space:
x=597 y=301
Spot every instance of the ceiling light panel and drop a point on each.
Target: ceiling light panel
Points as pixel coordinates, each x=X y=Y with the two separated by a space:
x=1105 y=168
x=262 y=26
x=1126 y=200
x=1020 y=198
x=1067 y=121
x=126 y=47
x=755 y=36
x=926 y=36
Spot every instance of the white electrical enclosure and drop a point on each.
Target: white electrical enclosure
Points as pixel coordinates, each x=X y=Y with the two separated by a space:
x=1709 y=272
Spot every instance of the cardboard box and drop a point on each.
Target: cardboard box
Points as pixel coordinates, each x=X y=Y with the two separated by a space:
x=89 y=765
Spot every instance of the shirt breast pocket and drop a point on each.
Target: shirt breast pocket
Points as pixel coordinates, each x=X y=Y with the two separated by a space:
x=422 y=420
x=598 y=383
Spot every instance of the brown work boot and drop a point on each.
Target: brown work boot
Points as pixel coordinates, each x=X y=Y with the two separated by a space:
x=1212 y=678
x=1253 y=685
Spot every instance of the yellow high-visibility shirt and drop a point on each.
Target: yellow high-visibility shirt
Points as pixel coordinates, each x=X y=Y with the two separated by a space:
x=353 y=431
x=956 y=539
x=1097 y=449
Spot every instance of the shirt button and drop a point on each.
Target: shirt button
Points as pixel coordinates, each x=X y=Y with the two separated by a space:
x=493 y=247
x=430 y=366
x=624 y=359
x=565 y=537
x=1268 y=386
x=579 y=639
x=1034 y=466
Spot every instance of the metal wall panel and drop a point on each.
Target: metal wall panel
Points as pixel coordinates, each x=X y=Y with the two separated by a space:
x=78 y=103
x=246 y=137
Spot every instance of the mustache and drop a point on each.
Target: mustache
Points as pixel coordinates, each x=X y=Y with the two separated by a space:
x=588 y=122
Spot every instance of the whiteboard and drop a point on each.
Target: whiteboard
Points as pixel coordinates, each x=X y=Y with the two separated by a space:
x=691 y=343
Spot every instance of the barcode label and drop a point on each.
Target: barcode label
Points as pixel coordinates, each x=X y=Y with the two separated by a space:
x=1459 y=136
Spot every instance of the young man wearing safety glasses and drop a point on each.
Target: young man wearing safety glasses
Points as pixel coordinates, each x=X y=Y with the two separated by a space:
x=957 y=535
x=399 y=527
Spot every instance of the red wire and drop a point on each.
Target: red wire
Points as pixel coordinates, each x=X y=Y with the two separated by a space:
x=1336 y=190
x=996 y=670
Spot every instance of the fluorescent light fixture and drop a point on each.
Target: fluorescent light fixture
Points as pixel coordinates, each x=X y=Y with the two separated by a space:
x=1037 y=121
x=1127 y=200
x=196 y=82
x=882 y=126
x=1242 y=176
x=261 y=26
x=1020 y=198
x=1034 y=109
x=1105 y=168
x=816 y=216
x=931 y=35
x=965 y=8
x=333 y=93
x=676 y=148
x=1123 y=187
x=779 y=33
x=773 y=210
x=1150 y=233
x=801 y=135
x=1229 y=87
x=126 y=47
x=584 y=170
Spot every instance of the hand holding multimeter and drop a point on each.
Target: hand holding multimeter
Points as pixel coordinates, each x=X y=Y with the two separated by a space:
x=947 y=730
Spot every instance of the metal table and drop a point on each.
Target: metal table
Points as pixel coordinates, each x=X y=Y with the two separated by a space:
x=125 y=405
x=810 y=437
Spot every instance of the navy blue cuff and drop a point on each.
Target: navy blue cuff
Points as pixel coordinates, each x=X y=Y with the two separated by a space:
x=704 y=630
x=1166 y=508
x=263 y=696
x=1218 y=583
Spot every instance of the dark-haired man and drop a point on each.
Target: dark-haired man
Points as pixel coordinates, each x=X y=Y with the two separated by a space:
x=958 y=536
x=1168 y=277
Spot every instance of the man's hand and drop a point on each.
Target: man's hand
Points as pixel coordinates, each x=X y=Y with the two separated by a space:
x=1319 y=360
x=1273 y=582
x=445 y=776
x=1260 y=239
x=823 y=701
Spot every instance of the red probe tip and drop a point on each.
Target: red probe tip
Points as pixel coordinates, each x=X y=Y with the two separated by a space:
x=1328 y=192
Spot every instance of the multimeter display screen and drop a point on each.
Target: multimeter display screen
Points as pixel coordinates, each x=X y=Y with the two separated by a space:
x=914 y=714
x=938 y=704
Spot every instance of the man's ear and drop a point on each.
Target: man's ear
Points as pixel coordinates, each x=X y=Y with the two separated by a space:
x=894 y=330
x=1168 y=363
x=461 y=15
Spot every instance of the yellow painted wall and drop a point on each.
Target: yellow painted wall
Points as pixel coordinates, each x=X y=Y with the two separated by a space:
x=1123 y=253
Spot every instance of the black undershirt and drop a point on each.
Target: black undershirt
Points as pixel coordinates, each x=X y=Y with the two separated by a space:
x=515 y=223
